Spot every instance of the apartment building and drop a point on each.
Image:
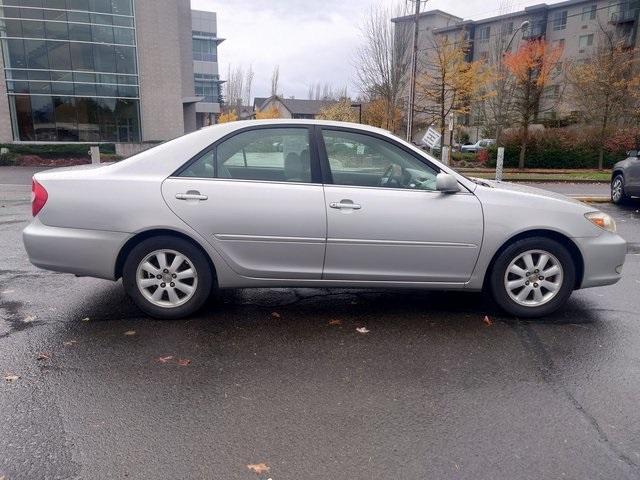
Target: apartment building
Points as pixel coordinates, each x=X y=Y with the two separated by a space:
x=105 y=70
x=575 y=25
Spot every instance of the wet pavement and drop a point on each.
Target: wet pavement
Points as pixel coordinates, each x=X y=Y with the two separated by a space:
x=283 y=377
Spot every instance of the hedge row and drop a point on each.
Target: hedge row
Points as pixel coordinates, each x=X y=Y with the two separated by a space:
x=550 y=157
x=56 y=150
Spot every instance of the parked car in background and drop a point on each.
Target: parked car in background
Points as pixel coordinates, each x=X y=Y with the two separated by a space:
x=479 y=145
x=625 y=178
x=341 y=205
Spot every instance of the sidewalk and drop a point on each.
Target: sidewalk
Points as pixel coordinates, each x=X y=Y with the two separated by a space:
x=573 y=189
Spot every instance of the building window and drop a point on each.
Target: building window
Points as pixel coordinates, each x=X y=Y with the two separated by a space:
x=559 y=43
x=589 y=12
x=560 y=20
x=484 y=33
x=205 y=50
x=70 y=69
x=207 y=86
x=585 y=41
x=506 y=28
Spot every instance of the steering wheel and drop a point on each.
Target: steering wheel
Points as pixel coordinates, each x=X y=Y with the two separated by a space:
x=393 y=174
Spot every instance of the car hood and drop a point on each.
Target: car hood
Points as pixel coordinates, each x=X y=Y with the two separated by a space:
x=527 y=190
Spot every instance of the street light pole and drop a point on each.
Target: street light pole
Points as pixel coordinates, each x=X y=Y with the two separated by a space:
x=524 y=26
x=414 y=67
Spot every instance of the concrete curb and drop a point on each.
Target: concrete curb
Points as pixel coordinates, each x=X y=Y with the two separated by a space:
x=591 y=199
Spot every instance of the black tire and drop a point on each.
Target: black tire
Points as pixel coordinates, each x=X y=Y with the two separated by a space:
x=498 y=272
x=203 y=288
x=622 y=198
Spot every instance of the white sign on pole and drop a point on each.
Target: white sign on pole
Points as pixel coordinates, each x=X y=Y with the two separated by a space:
x=431 y=138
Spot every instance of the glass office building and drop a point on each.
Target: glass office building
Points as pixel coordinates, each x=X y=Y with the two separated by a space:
x=71 y=70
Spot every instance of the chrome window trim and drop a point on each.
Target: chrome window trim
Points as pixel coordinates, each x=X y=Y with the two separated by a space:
x=386 y=189
x=178 y=177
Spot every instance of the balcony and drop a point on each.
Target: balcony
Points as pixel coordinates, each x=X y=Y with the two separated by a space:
x=624 y=13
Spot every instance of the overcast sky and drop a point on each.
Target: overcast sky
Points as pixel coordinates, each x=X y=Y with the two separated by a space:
x=312 y=40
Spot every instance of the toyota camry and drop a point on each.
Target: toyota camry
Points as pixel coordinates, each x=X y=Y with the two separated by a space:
x=304 y=203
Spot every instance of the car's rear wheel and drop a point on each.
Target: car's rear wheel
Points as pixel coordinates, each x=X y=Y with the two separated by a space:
x=618 y=195
x=167 y=277
x=533 y=277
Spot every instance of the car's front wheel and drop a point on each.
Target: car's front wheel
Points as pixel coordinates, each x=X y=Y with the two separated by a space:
x=618 y=195
x=533 y=277
x=167 y=277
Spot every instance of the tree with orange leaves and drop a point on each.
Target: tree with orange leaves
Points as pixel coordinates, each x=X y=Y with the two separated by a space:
x=533 y=67
x=271 y=112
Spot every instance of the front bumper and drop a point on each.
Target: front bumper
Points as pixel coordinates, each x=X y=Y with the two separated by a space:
x=91 y=253
x=603 y=257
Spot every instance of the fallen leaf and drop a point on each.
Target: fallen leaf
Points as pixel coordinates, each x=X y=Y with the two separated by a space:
x=487 y=321
x=69 y=343
x=29 y=319
x=335 y=322
x=275 y=314
x=165 y=359
x=11 y=377
x=183 y=362
x=362 y=330
x=130 y=333
x=43 y=356
x=258 y=468
x=85 y=319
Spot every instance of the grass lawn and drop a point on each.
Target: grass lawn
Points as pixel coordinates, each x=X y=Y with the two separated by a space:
x=542 y=175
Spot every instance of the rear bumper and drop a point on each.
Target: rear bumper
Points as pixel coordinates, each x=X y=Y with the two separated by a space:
x=91 y=253
x=603 y=257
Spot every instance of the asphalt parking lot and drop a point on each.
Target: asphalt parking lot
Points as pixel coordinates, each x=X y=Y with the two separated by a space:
x=283 y=377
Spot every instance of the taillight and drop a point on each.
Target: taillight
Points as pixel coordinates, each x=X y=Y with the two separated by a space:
x=38 y=197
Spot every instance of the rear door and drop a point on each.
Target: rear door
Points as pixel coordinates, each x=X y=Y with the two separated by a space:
x=386 y=221
x=632 y=176
x=256 y=196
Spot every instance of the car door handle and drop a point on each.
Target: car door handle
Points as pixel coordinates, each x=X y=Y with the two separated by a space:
x=345 y=204
x=191 y=195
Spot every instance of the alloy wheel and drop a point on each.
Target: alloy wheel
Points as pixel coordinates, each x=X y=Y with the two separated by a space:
x=533 y=278
x=167 y=278
x=616 y=189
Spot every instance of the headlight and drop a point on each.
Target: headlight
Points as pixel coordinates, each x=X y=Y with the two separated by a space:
x=602 y=220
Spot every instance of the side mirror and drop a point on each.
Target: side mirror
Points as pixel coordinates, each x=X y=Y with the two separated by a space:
x=447 y=183
x=632 y=153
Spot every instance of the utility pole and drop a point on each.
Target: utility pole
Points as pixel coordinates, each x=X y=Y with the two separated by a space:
x=414 y=67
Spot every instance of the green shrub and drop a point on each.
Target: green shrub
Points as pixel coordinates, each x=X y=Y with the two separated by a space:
x=57 y=150
x=562 y=148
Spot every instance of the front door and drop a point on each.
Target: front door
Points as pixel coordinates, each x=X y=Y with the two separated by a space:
x=386 y=221
x=254 y=198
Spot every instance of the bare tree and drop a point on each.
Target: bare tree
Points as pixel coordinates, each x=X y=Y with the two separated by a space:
x=234 y=87
x=448 y=84
x=382 y=61
x=275 y=78
x=496 y=108
x=604 y=85
x=248 y=85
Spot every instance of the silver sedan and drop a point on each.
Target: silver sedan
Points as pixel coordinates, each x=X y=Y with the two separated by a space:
x=302 y=203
